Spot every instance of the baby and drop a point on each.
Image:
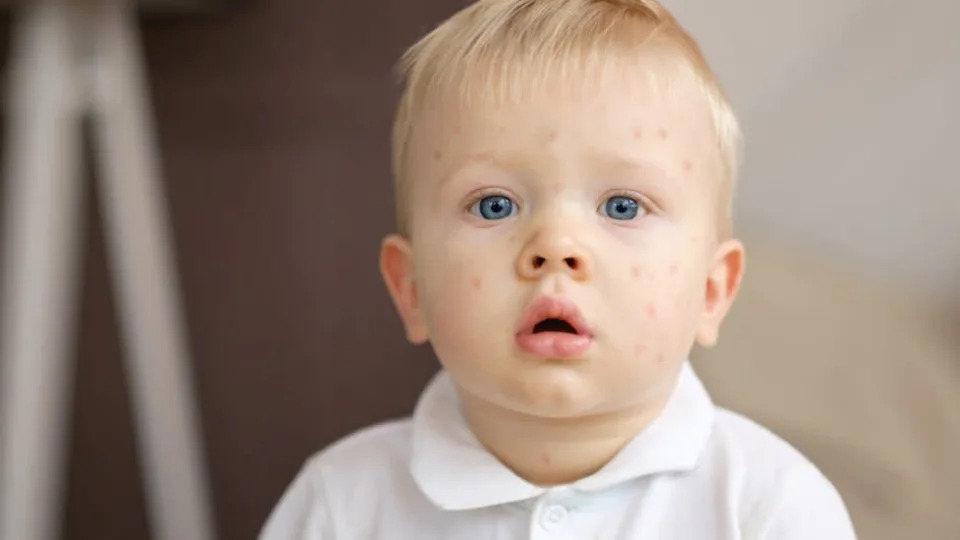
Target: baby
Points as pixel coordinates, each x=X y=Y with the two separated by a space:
x=564 y=176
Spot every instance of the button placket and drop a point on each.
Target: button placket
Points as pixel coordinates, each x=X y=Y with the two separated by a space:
x=553 y=516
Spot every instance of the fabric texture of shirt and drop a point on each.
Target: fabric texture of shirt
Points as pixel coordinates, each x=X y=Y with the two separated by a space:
x=696 y=472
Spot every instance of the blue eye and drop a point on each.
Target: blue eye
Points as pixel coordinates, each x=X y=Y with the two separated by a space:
x=621 y=208
x=494 y=207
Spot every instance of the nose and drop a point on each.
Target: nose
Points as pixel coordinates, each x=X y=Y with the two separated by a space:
x=554 y=252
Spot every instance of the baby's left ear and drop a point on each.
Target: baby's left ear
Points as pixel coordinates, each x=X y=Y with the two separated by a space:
x=723 y=283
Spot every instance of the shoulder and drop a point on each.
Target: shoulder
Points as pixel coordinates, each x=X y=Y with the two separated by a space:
x=742 y=438
x=370 y=455
x=781 y=493
x=350 y=474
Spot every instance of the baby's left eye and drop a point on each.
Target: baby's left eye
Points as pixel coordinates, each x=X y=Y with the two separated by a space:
x=621 y=208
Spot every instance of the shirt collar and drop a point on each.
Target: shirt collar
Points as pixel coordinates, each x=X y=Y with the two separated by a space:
x=456 y=472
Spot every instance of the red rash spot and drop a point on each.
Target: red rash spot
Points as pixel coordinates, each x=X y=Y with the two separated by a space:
x=635 y=271
x=664 y=133
x=674 y=269
x=661 y=359
x=546 y=458
x=687 y=165
x=641 y=349
x=476 y=283
x=437 y=155
x=638 y=134
x=652 y=310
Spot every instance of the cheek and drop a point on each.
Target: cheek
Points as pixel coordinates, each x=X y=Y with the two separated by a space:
x=657 y=303
x=459 y=294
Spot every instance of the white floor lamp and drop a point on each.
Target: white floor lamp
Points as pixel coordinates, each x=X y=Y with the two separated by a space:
x=76 y=59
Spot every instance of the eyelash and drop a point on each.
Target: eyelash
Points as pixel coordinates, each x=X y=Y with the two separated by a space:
x=648 y=206
x=490 y=192
x=645 y=203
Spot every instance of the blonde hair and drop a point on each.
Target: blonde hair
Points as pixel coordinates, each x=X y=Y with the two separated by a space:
x=517 y=44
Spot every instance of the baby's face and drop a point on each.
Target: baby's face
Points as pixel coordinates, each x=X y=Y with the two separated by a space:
x=562 y=248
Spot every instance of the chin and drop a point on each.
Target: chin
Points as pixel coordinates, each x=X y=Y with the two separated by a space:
x=551 y=393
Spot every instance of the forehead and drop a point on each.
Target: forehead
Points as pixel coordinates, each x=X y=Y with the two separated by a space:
x=625 y=105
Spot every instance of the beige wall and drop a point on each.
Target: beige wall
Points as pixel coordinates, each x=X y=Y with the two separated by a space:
x=850 y=112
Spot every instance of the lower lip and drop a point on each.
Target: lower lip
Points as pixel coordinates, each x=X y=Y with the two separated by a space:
x=557 y=345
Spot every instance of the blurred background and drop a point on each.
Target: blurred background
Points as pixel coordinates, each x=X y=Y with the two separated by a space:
x=272 y=124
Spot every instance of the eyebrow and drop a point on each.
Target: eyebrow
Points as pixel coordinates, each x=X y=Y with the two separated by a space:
x=609 y=163
x=617 y=162
x=485 y=159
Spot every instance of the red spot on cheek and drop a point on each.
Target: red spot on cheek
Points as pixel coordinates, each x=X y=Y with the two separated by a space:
x=477 y=283
x=664 y=133
x=638 y=133
x=652 y=311
x=546 y=459
x=687 y=165
x=661 y=358
x=674 y=269
x=635 y=271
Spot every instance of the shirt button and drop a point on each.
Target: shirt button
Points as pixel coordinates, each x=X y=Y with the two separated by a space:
x=552 y=517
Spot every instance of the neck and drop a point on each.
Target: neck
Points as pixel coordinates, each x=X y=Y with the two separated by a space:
x=554 y=451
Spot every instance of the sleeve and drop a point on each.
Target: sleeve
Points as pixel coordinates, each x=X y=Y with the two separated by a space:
x=806 y=507
x=302 y=512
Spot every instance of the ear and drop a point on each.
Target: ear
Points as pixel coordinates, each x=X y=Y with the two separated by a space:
x=396 y=267
x=723 y=284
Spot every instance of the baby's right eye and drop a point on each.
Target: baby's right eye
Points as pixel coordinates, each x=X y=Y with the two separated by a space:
x=494 y=207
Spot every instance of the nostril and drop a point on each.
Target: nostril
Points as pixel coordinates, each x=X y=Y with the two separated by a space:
x=572 y=262
x=538 y=261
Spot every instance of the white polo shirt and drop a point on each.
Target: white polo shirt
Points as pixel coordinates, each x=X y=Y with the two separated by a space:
x=697 y=472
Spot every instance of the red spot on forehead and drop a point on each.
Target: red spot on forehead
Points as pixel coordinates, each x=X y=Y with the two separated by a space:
x=674 y=269
x=687 y=165
x=637 y=133
x=635 y=271
x=652 y=310
x=477 y=283
x=661 y=359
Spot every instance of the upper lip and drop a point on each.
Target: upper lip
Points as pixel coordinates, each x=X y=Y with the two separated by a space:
x=553 y=307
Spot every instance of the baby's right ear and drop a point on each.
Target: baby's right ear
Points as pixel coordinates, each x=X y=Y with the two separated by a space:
x=396 y=267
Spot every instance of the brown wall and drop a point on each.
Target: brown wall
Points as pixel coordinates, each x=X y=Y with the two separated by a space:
x=273 y=122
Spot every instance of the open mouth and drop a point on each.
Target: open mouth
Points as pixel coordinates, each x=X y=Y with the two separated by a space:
x=554 y=325
x=554 y=328
x=553 y=314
